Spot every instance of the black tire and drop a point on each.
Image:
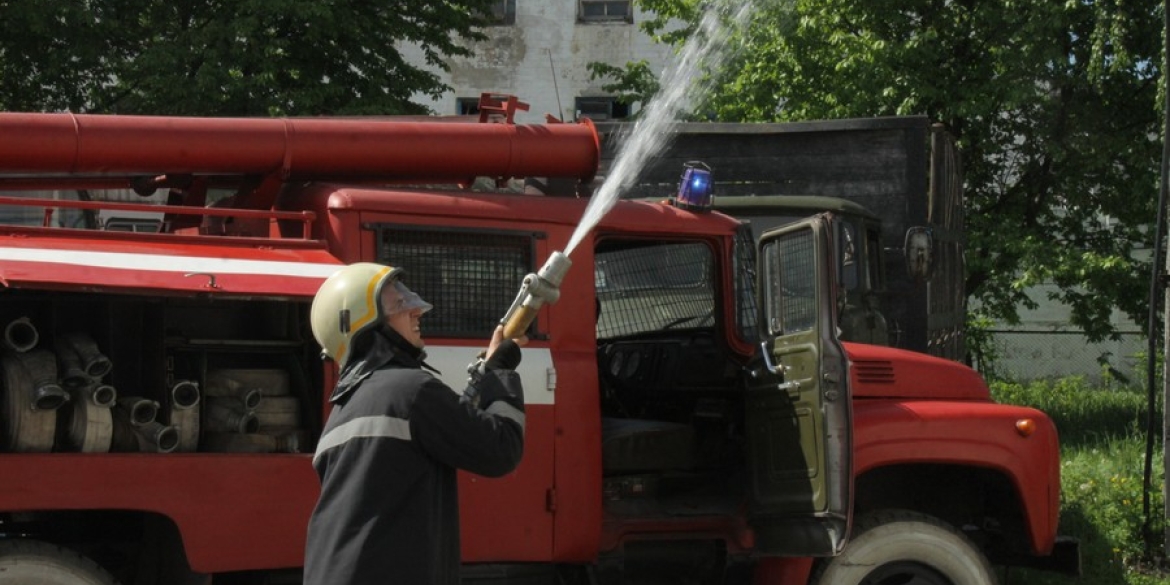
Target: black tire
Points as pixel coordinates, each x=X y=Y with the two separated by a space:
x=905 y=548
x=32 y=562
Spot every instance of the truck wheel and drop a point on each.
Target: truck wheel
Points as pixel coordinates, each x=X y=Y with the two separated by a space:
x=905 y=548
x=32 y=562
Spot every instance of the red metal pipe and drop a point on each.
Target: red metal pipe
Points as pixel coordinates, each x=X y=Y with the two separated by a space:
x=298 y=147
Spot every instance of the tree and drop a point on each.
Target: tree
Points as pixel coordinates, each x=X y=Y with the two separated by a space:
x=244 y=57
x=1055 y=106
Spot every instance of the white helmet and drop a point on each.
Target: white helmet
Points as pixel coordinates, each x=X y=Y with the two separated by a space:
x=349 y=302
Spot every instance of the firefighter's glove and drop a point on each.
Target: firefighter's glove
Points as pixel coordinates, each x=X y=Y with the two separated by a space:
x=495 y=378
x=505 y=357
x=498 y=385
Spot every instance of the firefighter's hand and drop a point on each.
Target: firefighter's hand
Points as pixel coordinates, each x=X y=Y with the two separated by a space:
x=499 y=386
x=503 y=354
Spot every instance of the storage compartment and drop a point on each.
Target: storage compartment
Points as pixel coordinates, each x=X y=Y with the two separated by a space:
x=159 y=374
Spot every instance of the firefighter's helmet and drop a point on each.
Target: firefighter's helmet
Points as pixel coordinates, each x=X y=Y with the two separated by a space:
x=350 y=302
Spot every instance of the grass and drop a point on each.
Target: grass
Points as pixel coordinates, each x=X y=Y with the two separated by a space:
x=1103 y=444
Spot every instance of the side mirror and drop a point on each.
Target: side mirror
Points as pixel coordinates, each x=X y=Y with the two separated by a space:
x=919 y=252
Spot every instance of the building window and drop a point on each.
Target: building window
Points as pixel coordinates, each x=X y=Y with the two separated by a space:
x=467 y=106
x=601 y=108
x=605 y=10
x=502 y=12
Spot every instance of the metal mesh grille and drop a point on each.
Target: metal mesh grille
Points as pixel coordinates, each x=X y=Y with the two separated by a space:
x=745 y=283
x=790 y=263
x=470 y=277
x=653 y=288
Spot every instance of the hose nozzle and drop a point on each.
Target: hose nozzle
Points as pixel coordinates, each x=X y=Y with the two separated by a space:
x=537 y=289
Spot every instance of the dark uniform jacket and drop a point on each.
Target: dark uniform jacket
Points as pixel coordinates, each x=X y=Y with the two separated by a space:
x=388 y=510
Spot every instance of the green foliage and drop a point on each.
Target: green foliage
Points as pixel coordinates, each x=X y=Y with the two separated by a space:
x=1102 y=467
x=1083 y=414
x=981 y=346
x=1054 y=106
x=1105 y=486
x=248 y=57
x=633 y=84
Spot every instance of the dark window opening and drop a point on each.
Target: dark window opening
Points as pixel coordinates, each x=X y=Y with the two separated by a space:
x=601 y=108
x=503 y=12
x=466 y=106
x=605 y=10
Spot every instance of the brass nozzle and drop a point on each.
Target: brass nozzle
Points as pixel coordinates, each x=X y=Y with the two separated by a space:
x=522 y=317
x=536 y=290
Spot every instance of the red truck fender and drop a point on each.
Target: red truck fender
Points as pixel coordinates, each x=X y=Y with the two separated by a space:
x=972 y=434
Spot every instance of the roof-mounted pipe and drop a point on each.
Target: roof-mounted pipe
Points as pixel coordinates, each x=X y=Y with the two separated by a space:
x=307 y=148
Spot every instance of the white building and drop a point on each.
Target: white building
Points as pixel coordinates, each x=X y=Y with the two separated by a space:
x=540 y=51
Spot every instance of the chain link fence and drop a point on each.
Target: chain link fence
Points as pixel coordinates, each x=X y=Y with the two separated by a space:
x=1037 y=354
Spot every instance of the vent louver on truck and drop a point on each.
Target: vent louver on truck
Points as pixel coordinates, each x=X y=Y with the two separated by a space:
x=874 y=371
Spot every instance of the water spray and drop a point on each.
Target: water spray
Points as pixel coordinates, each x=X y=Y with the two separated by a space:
x=681 y=84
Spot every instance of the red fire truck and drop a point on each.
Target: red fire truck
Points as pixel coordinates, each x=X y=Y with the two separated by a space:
x=692 y=415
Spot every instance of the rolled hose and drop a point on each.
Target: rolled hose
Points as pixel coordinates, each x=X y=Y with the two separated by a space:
x=155 y=437
x=184 y=395
x=138 y=411
x=230 y=414
x=42 y=370
x=92 y=361
x=72 y=373
x=182 y=414
x=136 y=427
x=232 y=381
x=90 y=426
x=28 y=408
x=21 y=335
x=102 y=395
x=279 y=412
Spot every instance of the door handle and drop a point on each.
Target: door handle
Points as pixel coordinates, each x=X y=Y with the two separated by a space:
x=767 y=353
x=778 y=370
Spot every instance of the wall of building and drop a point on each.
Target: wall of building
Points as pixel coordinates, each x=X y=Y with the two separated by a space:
x=543 y=59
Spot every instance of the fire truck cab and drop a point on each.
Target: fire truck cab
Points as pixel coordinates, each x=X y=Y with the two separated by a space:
x=692 y=415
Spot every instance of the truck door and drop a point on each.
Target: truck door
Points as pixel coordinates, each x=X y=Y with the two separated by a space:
x=798 y=412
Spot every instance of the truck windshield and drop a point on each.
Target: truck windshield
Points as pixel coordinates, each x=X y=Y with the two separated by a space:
x=643 y=287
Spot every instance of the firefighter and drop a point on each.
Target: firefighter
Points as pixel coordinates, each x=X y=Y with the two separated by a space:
x=388 y=508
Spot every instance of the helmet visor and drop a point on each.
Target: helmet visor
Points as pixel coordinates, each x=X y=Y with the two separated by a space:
x=403 y=299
